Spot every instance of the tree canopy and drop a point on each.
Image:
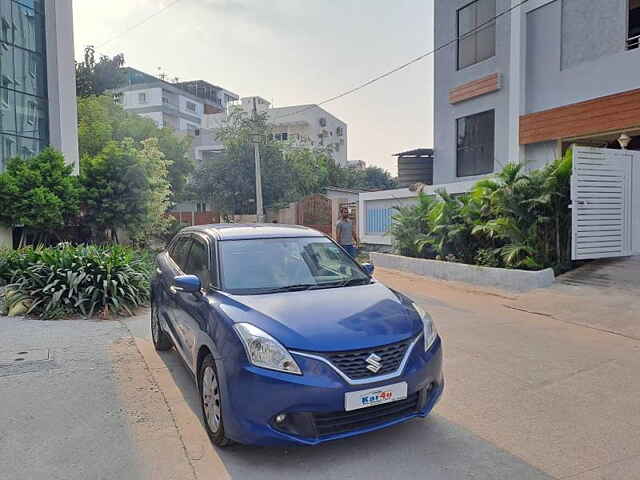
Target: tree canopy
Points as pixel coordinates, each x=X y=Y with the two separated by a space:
x=40 y=194
x=94 y=78
x=101 y=121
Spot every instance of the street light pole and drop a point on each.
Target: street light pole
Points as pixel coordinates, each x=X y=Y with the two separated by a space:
x=256 y=153
x=259 y=208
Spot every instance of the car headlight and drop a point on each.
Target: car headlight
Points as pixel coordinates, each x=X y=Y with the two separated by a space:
x=430 y=332
x=265 y=351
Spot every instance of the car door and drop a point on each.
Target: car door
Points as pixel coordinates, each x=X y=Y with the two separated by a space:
x=175 y=265
x=192 y=309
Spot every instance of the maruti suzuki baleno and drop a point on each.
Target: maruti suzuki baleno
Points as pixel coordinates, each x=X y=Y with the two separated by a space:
x=289 y=339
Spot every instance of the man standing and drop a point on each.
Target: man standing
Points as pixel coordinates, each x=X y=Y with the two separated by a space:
x=345 y=234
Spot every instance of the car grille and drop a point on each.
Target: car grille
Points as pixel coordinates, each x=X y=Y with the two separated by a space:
x=340 y=422
x=353 y=363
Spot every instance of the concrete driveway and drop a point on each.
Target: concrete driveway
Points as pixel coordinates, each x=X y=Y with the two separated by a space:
x=538 y=386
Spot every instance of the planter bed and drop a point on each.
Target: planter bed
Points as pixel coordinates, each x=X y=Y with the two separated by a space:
x=508 y=279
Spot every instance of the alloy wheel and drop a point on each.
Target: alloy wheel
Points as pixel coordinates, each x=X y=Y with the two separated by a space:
x=211 y=399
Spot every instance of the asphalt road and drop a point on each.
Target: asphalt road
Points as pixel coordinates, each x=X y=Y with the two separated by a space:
x=538 y=386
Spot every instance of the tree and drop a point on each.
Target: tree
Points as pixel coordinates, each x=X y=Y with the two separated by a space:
x=228 y=179
x=95 y=78
x=115 y=190
x=371 y=178
x=101 y=121
x=40 y=194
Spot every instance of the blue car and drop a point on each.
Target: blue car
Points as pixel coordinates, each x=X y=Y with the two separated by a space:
x=289 y=339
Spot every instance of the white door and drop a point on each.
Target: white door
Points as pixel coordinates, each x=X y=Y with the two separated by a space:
x=601 y=196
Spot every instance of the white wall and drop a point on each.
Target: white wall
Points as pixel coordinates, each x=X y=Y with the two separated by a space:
x=388 y=199
x=61 y=80
x=155 y=116
x=131 y=98
x=635 y=205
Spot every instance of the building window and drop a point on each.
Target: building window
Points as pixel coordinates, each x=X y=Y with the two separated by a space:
x=339 y=131
x=323 y=122
x=191 y=106
x=118 y=98
x=31 y=112
x=475 y=144
x=476 y=32
x=633 y=34
x=142 y=97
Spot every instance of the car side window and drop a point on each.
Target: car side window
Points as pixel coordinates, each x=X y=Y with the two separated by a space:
x=180 y=252
x=198 y=262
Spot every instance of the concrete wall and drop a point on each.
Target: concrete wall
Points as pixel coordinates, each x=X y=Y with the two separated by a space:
x=573 y=73
x=537 y=155
x=6 y=238
x=61 y=80
x=508 y=279
x=592 y=29
x=447 y=76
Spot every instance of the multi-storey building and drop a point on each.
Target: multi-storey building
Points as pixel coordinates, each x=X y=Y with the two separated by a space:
x=180 y=106
x=37 y=81
x=305 y=125
x=538 y=78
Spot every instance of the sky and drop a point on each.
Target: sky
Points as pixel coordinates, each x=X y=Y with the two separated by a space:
x=290 y=52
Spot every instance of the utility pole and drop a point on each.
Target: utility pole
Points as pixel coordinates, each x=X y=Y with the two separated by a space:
x=256 y=152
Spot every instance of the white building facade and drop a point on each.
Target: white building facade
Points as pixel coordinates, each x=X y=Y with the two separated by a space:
x=305 y=125
x=37 y=82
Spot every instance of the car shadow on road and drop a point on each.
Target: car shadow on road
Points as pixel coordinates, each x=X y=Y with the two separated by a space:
x=433 y=448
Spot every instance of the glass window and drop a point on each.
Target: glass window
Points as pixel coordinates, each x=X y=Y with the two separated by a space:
x=476 y=32
x=191 y=106
x=6 y=63
x=198 y=262
x=28 y=28
x=8 y=149
x=475 y=144
x=7 y=109
x=6 y=31
x=28 y=147
x=35 y=4
x=29 y=72
x=180 y=251
x=281 y=264
x=142 y=97
x=31 y=116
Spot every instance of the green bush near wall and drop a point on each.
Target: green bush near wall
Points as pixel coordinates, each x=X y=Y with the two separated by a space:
x=515 y=219
x=75 y=280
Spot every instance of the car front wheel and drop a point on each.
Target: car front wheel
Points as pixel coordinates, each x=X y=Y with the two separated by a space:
x=211 y=402
x=161 y=340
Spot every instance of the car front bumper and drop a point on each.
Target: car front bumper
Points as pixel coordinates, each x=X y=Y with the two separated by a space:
x=314 y=402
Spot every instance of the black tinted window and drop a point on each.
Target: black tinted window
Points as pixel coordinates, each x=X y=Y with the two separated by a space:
x=180 y=251
x=475 y=139
x=476 y=32
x=198 y=262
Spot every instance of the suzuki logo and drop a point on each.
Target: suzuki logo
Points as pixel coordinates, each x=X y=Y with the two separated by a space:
x=374 y=362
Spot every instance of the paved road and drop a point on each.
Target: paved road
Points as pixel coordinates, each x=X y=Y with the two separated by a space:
x=536 y=388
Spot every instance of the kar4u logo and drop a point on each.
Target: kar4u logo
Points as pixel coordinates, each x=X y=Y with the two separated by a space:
x=377 y=397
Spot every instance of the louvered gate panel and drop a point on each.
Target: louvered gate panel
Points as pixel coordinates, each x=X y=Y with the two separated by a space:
x=601 y=203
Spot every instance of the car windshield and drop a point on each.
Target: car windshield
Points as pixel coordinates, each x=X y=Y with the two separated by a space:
x=286 y=264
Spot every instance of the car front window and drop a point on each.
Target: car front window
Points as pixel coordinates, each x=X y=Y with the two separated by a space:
x=286 y=264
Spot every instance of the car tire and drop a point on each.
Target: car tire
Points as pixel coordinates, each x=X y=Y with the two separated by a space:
x=161 y=340
x=211 y=402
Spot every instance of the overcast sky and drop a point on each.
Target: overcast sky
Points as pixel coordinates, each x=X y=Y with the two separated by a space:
x=290 y=52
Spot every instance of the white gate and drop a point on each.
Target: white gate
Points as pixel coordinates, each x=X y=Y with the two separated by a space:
x=601 y=188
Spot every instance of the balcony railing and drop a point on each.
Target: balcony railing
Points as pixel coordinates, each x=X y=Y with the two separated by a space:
x=633 y=42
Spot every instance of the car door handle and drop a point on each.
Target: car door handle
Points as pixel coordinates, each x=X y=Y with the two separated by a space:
x=173 y=290
x=158 y=271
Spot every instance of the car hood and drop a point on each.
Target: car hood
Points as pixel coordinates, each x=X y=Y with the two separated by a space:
x=331 y=319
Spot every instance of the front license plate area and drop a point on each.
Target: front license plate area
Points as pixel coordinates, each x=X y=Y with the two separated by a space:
x=375 y=396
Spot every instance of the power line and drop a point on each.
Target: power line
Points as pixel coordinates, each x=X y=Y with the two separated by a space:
x=142 y=22
x=405 y=65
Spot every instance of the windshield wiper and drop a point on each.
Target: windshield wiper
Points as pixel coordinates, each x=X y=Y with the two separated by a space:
x=290 y=288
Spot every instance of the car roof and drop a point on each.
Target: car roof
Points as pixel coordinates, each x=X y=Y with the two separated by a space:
x=238 y=231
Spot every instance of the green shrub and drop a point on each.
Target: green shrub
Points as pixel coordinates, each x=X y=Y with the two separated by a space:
x=68 y=280
x=515 y=219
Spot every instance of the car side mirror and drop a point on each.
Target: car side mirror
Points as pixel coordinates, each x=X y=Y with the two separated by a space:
x=368 y=267
x=187 y=283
